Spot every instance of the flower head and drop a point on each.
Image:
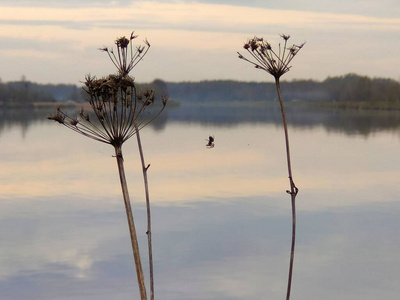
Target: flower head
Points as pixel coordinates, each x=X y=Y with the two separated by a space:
x=265 y=58
x=126 y=57
x=122 y=42
x=119 y=108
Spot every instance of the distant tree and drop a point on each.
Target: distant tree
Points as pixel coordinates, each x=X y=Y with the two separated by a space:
x=355 y=88
x=160 y=87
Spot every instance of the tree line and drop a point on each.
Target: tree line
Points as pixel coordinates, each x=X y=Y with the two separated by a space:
x=350 y=88
x=25 y=93
x=347 y=88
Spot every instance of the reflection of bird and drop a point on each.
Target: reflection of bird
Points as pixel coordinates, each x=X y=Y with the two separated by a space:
x=210 y=142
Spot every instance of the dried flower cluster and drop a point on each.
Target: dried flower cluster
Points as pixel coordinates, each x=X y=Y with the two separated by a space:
x=265 y=58
x=120 y=109
x=122 y=60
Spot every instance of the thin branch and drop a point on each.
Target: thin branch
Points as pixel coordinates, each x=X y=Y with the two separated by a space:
x=148 y=232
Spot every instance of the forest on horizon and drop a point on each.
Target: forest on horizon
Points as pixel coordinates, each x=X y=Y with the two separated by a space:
x=343 y=90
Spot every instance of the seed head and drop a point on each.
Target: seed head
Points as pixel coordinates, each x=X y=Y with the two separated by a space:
x=285 y=37
x=122 y=42
x=265 y=58
x=126 y=59
x=119 y=109
x=58 y=117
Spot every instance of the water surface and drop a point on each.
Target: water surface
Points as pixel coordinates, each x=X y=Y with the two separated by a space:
x=221 y=217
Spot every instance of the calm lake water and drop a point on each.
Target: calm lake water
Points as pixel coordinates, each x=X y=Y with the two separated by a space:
x=221 y=216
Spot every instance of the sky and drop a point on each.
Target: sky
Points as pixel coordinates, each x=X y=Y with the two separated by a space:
x=54 y=41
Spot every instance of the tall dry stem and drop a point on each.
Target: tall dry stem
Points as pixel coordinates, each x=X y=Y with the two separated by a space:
x=148 y=232
x=131 y=224
x=277 y=63
x=293 y=189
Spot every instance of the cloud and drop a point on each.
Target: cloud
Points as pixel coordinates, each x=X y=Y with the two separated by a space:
x=184 y=33
x=359 y=7
x=182 y=16
x=66 y=4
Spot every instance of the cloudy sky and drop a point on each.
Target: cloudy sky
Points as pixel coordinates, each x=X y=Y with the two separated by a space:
x=56 y=41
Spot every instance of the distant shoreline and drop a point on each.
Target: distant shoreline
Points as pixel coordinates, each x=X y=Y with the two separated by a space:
x=350 y=91
x=358 y=105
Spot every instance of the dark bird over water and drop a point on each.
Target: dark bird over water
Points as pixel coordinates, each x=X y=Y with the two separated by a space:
x=210 y=143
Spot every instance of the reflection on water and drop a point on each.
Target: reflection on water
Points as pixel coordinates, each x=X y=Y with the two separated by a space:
x=351 y=122
x=346 y=121
x=221 y=216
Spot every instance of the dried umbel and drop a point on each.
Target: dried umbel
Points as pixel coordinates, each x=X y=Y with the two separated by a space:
x=265 y=58
x=127 y=57
x=120 y=110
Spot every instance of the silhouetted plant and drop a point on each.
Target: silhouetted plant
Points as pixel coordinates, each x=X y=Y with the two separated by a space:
x=277 y=64
x=120 y=111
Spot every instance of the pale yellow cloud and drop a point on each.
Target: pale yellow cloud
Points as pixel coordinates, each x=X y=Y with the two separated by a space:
x=198 y=25
x=181 y=34
x=184 y=13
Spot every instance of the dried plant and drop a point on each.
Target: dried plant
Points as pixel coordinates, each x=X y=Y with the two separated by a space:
x=277 y=63
x=120 y=111
x=126 y=59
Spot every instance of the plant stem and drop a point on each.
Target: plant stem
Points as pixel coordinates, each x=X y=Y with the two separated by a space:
x=293 y=189
x=132 y=230
x=292 y=247
x=146 y=186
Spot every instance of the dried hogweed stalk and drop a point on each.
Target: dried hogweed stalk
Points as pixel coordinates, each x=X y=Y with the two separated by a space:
x=119 y=112
x=277 y=63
